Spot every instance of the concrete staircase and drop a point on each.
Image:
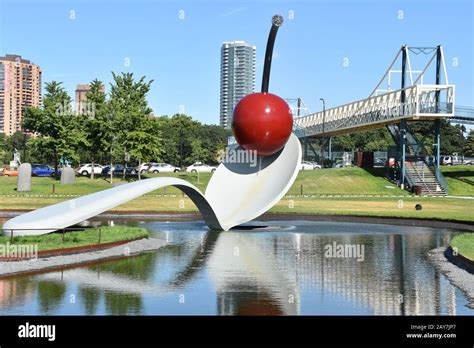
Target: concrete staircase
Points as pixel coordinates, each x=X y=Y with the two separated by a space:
x=420 y=174
x=417 y=171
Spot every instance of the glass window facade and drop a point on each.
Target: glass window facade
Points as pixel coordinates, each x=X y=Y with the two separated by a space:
x=237 y=77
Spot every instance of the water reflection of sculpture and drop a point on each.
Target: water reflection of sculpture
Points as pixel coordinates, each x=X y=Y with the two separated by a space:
x=123 y=283
x=265 y=277
x=237 y=263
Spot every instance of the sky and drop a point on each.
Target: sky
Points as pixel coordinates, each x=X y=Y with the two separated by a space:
x=334 y=49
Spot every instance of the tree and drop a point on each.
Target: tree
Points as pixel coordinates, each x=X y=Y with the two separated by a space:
x=94 y=123
x=451 y=136
x=198 y=152
x=170 y=144
x=181 y=130
x=143 y=143
x=214 y=140
x=469 y=145
x=372 y=140
x=136 y=130
x=18 y=141
x=185 y=130
x=3 y=152
x=54 y=124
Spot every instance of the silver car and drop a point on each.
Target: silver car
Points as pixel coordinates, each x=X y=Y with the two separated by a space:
x=162 y=168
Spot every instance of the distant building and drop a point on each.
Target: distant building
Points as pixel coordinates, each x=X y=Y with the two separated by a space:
x=20 y=87
x=237 y=76
x=81 y=97
x=81 y=104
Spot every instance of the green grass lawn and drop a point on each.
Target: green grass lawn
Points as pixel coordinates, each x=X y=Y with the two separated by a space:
x=336 y=181
x=432 y=208
x=460 y=179
x=464 y=244
x=353 y=181
x=348 y=180
x=53 y=241
x=327 y=181
x=84 y=185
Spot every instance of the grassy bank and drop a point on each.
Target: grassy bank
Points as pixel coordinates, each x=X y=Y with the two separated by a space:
x=84 y=185
x=464 y=244
x=351 y=181
x=79 y=238
x=460 y=180
x=316 y=185
x=433 y=208
x=328 y=181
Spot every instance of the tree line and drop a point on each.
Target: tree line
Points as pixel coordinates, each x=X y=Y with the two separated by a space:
x=454 y=139
x=121 y=122
x=114 y=126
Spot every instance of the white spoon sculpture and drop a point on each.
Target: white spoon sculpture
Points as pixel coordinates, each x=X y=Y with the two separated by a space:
x=236 y=193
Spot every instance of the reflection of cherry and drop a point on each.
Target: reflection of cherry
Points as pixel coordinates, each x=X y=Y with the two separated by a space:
x=263 y=121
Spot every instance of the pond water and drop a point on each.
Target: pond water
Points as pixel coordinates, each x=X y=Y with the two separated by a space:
x=276 y=268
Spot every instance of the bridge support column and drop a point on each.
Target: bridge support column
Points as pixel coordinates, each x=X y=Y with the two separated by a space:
x=403 y=137
x=330 y=149
x=306 y=147
x=305 y=154
x=322 y=147
x=403 y=131
x=438 y=146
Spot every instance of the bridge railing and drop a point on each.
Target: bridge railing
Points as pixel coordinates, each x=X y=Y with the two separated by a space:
x=420 y=101
x=441 y=179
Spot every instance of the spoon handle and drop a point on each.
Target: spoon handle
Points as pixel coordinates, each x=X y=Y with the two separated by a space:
x=277 y=22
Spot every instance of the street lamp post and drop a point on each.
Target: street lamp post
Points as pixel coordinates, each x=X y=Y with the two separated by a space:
x=112 y=140
x=324 y=120
x=324 y=111
x=111 y=159
x=181 y=148
x=462 y=129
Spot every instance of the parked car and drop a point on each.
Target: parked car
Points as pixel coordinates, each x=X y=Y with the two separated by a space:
x=144 y=167
x=455 y=160
x=118 y=169
x=306 y=165
x=379 y=162
x=9 y=171
x=162 y=168
x=86 y=169
x=343 y=164
x=201 y=168
x=42 y=170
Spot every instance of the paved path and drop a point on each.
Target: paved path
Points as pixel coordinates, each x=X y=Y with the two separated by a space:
x=457 y=276
x=132 y=248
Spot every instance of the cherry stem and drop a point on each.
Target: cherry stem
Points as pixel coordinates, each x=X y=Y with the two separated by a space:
x=277 y=22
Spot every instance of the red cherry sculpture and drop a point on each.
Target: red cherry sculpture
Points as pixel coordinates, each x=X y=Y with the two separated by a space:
x=262 y=122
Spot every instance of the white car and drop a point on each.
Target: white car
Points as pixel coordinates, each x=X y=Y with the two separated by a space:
x=306 y=165
x=144 y=167
x=162 y=168
x=455 y=160
x=343 y=164
x=86 y=169
x=201 y=168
